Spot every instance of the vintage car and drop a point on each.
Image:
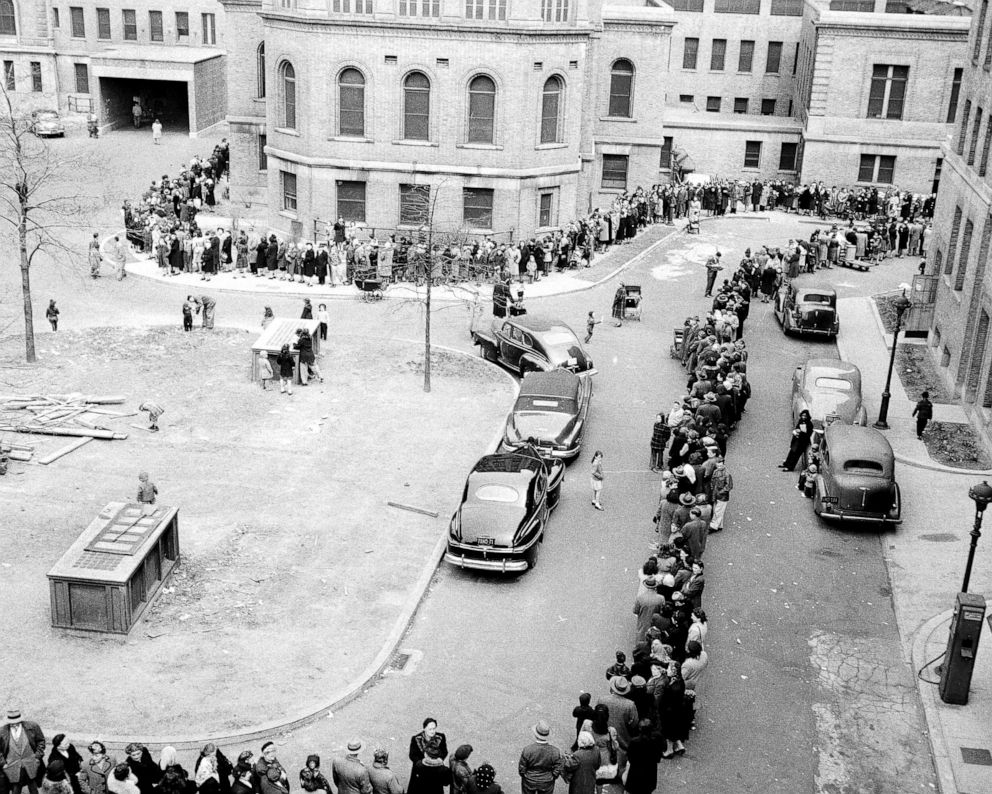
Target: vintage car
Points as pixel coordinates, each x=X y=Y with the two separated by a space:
x=47 y=123
x=807 y=310
x=550 y=413
x=830 y=389
x=856 y=477
x=504 y=511
x=532 y=344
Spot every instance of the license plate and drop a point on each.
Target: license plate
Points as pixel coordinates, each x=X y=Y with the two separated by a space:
x=485 y=541
x=829 y=500
x=572 y=362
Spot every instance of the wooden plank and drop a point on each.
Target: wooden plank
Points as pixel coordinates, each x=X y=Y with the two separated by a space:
x=423 y=512
x=71 y=447
x=64 y=431
x=16 y=455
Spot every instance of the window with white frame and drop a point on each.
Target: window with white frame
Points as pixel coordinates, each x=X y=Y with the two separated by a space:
x=288 y=191
x=485 y=9
x=554 y=10
x=615 y=171
x=416 y=107
x=481 y=109
x=888 y=91
x=551 y=109
x=477 y=207
x=351 y=103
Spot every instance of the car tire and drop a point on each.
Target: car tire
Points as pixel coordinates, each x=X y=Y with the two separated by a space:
x=487 y=352
x=817 y=504
x=532 y=554
x=554 y=497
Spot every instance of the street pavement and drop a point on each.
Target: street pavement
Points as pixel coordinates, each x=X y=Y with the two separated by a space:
x=813 y=629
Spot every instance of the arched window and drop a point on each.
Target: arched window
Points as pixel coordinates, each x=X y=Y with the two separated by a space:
x=621 y=88
x=260 y=68
x=416 y=107
x=8 y=24
x=551 y=107
x=287 y=76
x=481 y=109
x=351 y=102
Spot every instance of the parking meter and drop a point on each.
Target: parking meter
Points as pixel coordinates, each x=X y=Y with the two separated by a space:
x=962 y=648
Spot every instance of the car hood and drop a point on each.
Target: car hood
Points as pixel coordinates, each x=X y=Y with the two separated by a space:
x=544 y=427
x=821 y=404
x=499 y=522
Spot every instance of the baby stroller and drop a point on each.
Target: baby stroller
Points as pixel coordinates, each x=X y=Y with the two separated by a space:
x=371 y=289
x=692 y=226
x=632 y=302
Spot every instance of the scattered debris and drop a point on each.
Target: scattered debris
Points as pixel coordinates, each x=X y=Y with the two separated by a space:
x=71 y=447
x=399 y=506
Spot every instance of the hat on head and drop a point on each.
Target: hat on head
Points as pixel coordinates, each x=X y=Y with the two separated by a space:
x=355 y=746
x=541 y=731
x=13 y=716
x=678 y=471
x=651 y=582
x=710 y=397
x=638 y=681
x=687 y=499
x=619 y=685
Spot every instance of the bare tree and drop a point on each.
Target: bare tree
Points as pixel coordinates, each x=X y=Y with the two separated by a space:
x=38 y=198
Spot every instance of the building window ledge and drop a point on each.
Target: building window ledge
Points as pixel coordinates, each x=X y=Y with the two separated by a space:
x=289 y=214
x=288 y=131
x=623 y=119
x=491 y=147
x=350 y=139
x=543 y=146
x=258 y=99
x=403 y=142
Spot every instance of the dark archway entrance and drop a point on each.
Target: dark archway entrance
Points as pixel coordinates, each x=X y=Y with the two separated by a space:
x=166 y=100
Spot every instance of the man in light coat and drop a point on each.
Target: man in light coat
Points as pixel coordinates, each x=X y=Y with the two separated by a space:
x=540 y=763
x=22 y=748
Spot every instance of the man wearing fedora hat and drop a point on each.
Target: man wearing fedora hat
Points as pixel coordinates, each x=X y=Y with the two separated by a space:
x=541 y=762
x=349 y=773
x=647 y=603
x=22 y=748
x=623 y=716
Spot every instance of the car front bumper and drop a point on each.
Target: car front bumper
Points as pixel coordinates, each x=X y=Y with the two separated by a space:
x=496 y=565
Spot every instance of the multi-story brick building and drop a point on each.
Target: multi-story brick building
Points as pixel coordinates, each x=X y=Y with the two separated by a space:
x=959 y=254
x=101 y=55
x=513 y=116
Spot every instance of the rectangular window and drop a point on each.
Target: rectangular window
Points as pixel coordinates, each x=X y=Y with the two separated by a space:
x=8 y=76
x=666 y=152
x=420 y=8
x=795 y=60
x=687 y=99
x=983 y=164
x=415 y=205
x=975 y=129
x=963 y=131
x=288 y=190
x=103 y=23
x=969 y=230
x=690 y=53
x=740 y=104
x=767 y=107
x=615 y=171
x=687 y=5
x=130 y=19
x=980 y=32
x=263 y=158
x=746 y=57
x=209 y=24
x=36 y=77
x=712 y=104
x=351 y=201
x=787 y=8
x=78 y=22
x=787 y=157
x=155 y=32
x=55 y=18
x=952 y=106
x=863 y=6
x=554 y=10
x=952 y=245
x=718 y=55
x=878 y=168
x=477 y=207
x=737 y=6
x=344 y=6
x=752 y=154
x=774 y=61
x=888 y=91
x=485 y=9
x=546 y=210
x=182 y=25
x=82 y=78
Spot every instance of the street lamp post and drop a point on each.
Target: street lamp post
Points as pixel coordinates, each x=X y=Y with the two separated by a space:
x=900 y=304
x=981 y=495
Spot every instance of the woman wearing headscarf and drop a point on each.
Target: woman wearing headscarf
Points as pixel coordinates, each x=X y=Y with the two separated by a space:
x=207 y=777
x=63 y=750
x=224 y=768
x=580 y=767
x=175 y=779
x=483 y=781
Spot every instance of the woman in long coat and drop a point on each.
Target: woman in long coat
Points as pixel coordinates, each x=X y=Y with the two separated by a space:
x=801 y=435
x=618 y=303
x=643 y=755
x=580 y=766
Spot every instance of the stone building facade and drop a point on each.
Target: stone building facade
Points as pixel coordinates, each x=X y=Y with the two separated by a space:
x=511 y=118
x=80 y=56
x=959 y=254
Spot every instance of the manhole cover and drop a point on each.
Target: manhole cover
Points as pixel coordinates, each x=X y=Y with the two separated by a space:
x=940 y=537
x=399 y=660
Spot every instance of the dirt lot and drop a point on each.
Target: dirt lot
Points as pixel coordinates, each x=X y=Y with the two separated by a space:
x=918 y=374
x=289 y=552
x=956 y=444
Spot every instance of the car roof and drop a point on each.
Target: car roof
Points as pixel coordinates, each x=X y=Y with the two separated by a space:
x=556 y=383
x=857 y=442
x=538 y=324
x=807 y=288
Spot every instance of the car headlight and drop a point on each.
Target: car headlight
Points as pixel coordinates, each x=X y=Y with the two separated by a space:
x=455 y=526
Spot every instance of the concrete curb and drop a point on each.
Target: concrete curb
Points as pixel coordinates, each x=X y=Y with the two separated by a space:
x=372 y=672
x=928 y=698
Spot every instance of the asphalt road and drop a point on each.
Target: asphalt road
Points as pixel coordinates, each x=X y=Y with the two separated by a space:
x=806 y=689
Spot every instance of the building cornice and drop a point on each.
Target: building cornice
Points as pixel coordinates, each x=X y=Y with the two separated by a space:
x=887 y=143
x=890 y=32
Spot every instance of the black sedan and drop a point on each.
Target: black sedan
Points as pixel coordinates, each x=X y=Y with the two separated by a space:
x=533 y=344
x=504 y=511
x=807 y=310
x=550 y=412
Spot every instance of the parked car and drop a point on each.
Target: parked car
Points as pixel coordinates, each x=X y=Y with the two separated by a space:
x=550 y=412
x=533 y=344
x=856 y=478
x=830 y=389
x=807 y=310
x=47 y=123
x=500 y=523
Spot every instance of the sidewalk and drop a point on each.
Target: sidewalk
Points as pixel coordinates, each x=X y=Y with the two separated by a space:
x=960 y=736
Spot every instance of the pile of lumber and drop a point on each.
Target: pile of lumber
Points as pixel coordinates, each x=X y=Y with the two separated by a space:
x=79 y=416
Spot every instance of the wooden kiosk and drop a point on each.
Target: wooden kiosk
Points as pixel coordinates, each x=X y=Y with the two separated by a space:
x=114 y=569
x=282 y=331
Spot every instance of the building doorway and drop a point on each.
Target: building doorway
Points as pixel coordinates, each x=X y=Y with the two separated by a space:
x=166 y=100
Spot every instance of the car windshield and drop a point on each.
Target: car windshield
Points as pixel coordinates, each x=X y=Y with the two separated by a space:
x=497 y=493
x=47 y=115
x=559 y=337
x=558 y=404
x=816 y=297
x=860 y=466
x=836 y=384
